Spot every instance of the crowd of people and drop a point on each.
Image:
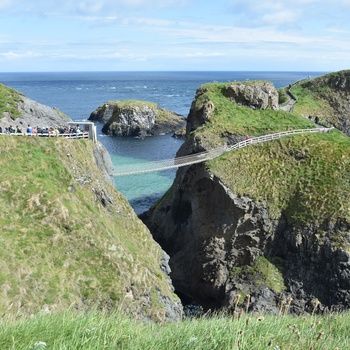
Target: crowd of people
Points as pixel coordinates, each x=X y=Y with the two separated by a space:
x=46 y=132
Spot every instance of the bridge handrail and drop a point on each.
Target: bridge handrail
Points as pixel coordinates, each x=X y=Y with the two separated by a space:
x=195 y=158
x=80 y=135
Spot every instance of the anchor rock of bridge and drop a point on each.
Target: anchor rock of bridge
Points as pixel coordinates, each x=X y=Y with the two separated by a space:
x=214 y=236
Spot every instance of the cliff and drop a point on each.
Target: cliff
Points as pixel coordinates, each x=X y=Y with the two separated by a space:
x=136 y=118
x=18 y=110
x=327 y=97
x=270 y=221
x=68 y=238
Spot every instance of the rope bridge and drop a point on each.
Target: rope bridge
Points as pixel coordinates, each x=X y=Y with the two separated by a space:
x=158 y=165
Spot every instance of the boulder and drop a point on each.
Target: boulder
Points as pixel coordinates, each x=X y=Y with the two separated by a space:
x=257 y=95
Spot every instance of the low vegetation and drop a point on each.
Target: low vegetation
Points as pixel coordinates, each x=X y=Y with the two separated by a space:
x=309 y=103
x=232 y=119
x=326 y=96
x=8 y=102
x=262 y=272
x=68 y=237
x=96 y=330
x=306 y=177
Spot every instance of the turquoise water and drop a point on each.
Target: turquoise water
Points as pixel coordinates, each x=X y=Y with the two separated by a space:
x=142 y=190
x=78 y=94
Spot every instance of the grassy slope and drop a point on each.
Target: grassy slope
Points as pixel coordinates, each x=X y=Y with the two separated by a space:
x=97 y=331
x=8 y=101
x=307 y=177
x=326 y=96
x=58 y=244
x=230 y=118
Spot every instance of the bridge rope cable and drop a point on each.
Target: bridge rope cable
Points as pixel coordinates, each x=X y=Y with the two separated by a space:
x=177 y=162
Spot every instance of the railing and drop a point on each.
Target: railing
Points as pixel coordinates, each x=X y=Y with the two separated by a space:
x=140 y=168
x=278 y=135
x=82 y=135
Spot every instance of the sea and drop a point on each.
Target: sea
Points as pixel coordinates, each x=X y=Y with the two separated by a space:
x=78 y=94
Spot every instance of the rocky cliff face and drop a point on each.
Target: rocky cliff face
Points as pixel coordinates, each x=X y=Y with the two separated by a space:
x=224 y=246
x=260 y=95
x=136 y=118
x=34 y=114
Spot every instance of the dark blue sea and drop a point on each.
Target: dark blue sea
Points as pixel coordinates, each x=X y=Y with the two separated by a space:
x=79 y=93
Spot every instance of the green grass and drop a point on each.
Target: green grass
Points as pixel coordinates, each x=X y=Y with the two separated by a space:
x=309 y=103
x=59 y=245
x=134 y=103
x=231 y=119
x=262 y=272
x=306 y=177
x=96 y=330
x=8 y=102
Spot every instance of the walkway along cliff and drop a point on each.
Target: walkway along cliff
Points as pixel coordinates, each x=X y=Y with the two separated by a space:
x=270 y=221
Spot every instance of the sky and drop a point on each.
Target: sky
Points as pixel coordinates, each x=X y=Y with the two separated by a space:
x=174 y=35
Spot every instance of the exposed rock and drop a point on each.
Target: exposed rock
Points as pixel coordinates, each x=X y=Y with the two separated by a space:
x=223 y=246
x=104 y=162
x=136 y=118
x=35 y=114
x=257 y=95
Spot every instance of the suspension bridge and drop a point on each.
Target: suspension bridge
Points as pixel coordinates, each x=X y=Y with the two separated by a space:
x=177 y=162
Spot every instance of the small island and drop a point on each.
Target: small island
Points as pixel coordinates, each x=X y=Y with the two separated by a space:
x=136 y=119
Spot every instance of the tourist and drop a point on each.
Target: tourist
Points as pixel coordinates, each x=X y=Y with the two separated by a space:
x=29 y=130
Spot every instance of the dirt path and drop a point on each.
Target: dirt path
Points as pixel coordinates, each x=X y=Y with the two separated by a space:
x=289 y=106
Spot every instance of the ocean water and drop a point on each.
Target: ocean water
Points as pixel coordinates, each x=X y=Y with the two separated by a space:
x=79 y=93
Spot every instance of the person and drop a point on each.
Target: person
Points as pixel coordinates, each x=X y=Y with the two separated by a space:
x=29 y=130
x=247 y=137
x=0 y=130
x=317 y=119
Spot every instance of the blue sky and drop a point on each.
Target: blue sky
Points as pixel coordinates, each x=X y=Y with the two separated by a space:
x=149 y=35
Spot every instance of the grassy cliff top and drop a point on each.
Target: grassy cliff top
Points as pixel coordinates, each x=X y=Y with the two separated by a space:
x=326 y=96
x=229 y=118
x=164 y=116
x=67 y=237
x=306 y=177
x=8 y=101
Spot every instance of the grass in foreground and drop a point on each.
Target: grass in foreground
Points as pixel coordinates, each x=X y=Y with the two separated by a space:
x=70 y=330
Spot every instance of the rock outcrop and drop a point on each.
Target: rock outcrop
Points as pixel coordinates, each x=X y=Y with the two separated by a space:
x=30 y=112
x=136 y=118
x=260 y=95
x=224 y=246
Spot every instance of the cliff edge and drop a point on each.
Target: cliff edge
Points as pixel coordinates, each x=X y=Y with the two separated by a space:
x=68 y=238
x=269 y=222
